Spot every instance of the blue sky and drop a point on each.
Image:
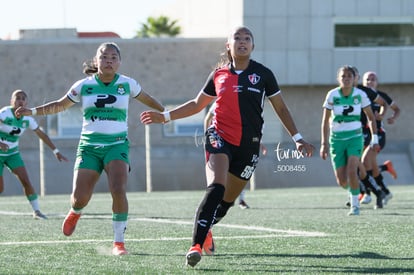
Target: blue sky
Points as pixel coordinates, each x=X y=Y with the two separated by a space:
x=121 y=16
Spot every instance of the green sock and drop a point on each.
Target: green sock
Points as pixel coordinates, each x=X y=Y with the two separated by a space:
x=354 y=192
x=77 y=210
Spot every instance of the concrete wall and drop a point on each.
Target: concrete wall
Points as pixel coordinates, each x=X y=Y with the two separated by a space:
x=172 y=70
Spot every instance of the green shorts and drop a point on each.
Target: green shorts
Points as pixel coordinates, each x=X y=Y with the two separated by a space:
x=12 y=162
x=340 y=150
x=96 y=157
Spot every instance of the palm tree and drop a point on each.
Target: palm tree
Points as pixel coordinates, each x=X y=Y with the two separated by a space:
x=159 y=27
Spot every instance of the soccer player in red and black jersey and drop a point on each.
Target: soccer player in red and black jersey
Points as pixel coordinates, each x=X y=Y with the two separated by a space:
x=240 y=86
x=367 y=182
x=369 y=158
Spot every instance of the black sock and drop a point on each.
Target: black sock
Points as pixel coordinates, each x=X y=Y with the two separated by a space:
x=382 y=167
x=380 y=181
x=370 y=186
x=367 y=187
x=222 y=210
x=374 y=186
x=206 y=212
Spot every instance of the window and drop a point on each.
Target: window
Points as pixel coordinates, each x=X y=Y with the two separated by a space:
x=67 y=124
x=190 y=126
x=374 y=32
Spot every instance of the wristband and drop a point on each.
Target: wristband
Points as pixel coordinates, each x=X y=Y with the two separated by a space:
x=34 y=111
x=297 y=137
x=167 y=116
x=56 y=151
x=374 y=139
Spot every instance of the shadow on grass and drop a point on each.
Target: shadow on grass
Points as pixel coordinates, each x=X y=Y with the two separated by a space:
x=359 y=255
x=311 y=208
x=269 y=266
x=333 y=268
x=282 y=208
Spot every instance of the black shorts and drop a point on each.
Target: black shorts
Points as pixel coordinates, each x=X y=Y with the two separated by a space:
x=242 y=159
x=367 y=137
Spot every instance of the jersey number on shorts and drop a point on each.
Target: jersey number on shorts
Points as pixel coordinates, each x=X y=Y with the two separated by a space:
x=247 y=172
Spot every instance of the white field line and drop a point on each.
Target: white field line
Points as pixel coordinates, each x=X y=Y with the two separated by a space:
x=245 y=227
x=278 y=232
x=162 y=239
x=298 y=233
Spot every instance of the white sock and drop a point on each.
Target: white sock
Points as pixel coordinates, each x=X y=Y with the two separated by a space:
x=119 y=230
x=35 y=204
x=241 y=196
x=354 y=200
x=79 y=211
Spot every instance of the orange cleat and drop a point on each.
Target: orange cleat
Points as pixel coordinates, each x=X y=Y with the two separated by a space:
x=208 y=245
x=119 y=249
x=193 y=255
x=69 y=224
x=390 y=169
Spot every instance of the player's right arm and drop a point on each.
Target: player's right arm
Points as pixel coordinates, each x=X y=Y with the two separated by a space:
x=52 y=107
x=325 y=133
x=186 y=109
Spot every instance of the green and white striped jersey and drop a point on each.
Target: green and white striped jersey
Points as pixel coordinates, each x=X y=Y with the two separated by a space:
x=105 y=108
x=346 y=112
x=11 y=128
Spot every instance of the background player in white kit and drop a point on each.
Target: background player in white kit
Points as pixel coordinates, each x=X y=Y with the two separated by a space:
x=11 y=128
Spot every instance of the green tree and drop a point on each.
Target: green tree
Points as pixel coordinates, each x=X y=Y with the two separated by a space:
x=159 y=27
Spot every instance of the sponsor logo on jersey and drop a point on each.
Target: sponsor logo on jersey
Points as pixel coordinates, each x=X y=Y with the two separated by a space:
x=253 y=90
x=237 y=88
x=221 y=79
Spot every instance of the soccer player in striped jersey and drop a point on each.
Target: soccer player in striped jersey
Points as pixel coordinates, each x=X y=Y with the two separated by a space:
x=11 y=129
x=240 y=86
x=341 y=132
x=103 y=144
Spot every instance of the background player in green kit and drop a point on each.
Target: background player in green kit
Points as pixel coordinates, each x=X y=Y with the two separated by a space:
x=11 y=128
x=103 y=144
x=341 y=127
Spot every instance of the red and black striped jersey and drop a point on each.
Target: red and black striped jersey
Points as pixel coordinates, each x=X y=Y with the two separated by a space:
x=373 y=94
x=240 y=100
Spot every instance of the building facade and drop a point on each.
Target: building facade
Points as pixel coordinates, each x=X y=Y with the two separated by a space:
x=302 y=41
x=305 y=41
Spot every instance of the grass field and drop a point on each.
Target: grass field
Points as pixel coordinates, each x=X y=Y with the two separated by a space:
x=286 y=231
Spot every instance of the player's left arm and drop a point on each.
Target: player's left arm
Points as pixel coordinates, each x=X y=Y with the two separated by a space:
x=149 y=101
x=285 y=117
x=395 y=114
x=373 y=127
x=383 y=109
x=394 y=107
